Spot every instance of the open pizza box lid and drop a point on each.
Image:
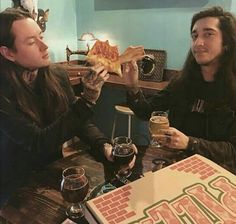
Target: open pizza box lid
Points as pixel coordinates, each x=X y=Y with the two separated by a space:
x=194 y=190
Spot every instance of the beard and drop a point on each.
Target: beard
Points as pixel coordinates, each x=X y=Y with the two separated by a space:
x=209 y=62
x=205 y=64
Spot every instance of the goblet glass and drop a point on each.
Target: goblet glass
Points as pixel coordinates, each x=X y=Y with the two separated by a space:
x=157 y=123
x=123 y=153
x=74 y=188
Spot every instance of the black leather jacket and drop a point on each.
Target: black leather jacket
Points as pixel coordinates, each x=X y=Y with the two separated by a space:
x=25 y=146
x=202 y=112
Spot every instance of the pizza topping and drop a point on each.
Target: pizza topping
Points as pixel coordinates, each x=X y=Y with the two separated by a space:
x=102 y=52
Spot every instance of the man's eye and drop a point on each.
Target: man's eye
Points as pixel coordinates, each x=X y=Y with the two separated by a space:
x=31 y=43
x=194 y=36
x=208 y=34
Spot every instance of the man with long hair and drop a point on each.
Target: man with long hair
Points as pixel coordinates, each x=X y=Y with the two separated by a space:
x=201 y=101
x=38 y=108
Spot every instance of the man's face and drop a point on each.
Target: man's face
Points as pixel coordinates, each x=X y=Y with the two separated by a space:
x=30 y=50
x=207 y=42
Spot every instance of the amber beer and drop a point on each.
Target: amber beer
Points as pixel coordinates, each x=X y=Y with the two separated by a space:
x=158 y=122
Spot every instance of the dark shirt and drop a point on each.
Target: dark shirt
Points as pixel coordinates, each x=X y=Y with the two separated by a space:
x=27 y=146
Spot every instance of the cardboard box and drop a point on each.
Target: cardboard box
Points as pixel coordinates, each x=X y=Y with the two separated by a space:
x=194 y=190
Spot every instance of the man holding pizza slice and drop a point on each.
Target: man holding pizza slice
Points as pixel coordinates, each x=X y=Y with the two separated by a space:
x=38 y=108
x=201 y=102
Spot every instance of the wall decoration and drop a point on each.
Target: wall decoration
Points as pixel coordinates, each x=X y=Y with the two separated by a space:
x=39 y=15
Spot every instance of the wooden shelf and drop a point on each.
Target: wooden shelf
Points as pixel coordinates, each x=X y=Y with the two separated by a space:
x=116 y=80
x=77 y=69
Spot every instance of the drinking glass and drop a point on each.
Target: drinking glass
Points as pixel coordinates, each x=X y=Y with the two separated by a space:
x=123 y=153
x=157 y=123
x=74 y=188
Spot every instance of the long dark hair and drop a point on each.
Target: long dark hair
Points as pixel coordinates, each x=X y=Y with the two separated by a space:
x=54 y=98
x=227 y=25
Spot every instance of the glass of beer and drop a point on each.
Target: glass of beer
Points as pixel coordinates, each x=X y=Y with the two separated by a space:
x=74 y=188
x=123 y=153
x=157 y=123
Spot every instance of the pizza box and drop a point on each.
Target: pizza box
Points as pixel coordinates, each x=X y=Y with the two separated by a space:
x=194 y=190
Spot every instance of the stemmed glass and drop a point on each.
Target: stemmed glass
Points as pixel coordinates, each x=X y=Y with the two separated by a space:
x=74 y=188
x=157 y=123
x=123 y=153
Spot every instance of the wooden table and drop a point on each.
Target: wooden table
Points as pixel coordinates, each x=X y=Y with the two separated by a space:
x=40 y=201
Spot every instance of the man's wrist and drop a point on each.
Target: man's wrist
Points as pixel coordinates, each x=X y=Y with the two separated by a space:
x=133 y=90
x=88 y=102
x=79 y=106
x=107 y=150
x=192 y=145
x=133 y=96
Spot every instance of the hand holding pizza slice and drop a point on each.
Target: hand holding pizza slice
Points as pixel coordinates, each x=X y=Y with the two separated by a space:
x=132 y=53
x=102 y=52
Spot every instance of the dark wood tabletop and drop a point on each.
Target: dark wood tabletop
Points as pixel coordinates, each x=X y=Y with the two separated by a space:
x=40 y=201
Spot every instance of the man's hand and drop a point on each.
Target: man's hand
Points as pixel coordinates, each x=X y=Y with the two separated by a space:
x=108 y=154
x=130 y=76
x=132 y=54
x=172 y=138
x=93 y=83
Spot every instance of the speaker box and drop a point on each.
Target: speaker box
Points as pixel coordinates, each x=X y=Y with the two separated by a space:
x=151 y=68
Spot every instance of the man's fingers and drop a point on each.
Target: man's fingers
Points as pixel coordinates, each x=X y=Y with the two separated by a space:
x=135 y=149
x=132 y=53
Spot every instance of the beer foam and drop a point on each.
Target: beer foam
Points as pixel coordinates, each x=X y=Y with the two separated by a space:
x=159 y=119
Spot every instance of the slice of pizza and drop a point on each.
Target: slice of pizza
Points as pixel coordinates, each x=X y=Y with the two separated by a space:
x=102 y=52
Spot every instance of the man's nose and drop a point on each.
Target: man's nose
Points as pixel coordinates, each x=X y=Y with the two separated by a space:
x=199 y=41
x=42 y=45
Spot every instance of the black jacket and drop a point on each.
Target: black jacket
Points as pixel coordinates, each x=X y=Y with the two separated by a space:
x=25 y=146
x=202 y=111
